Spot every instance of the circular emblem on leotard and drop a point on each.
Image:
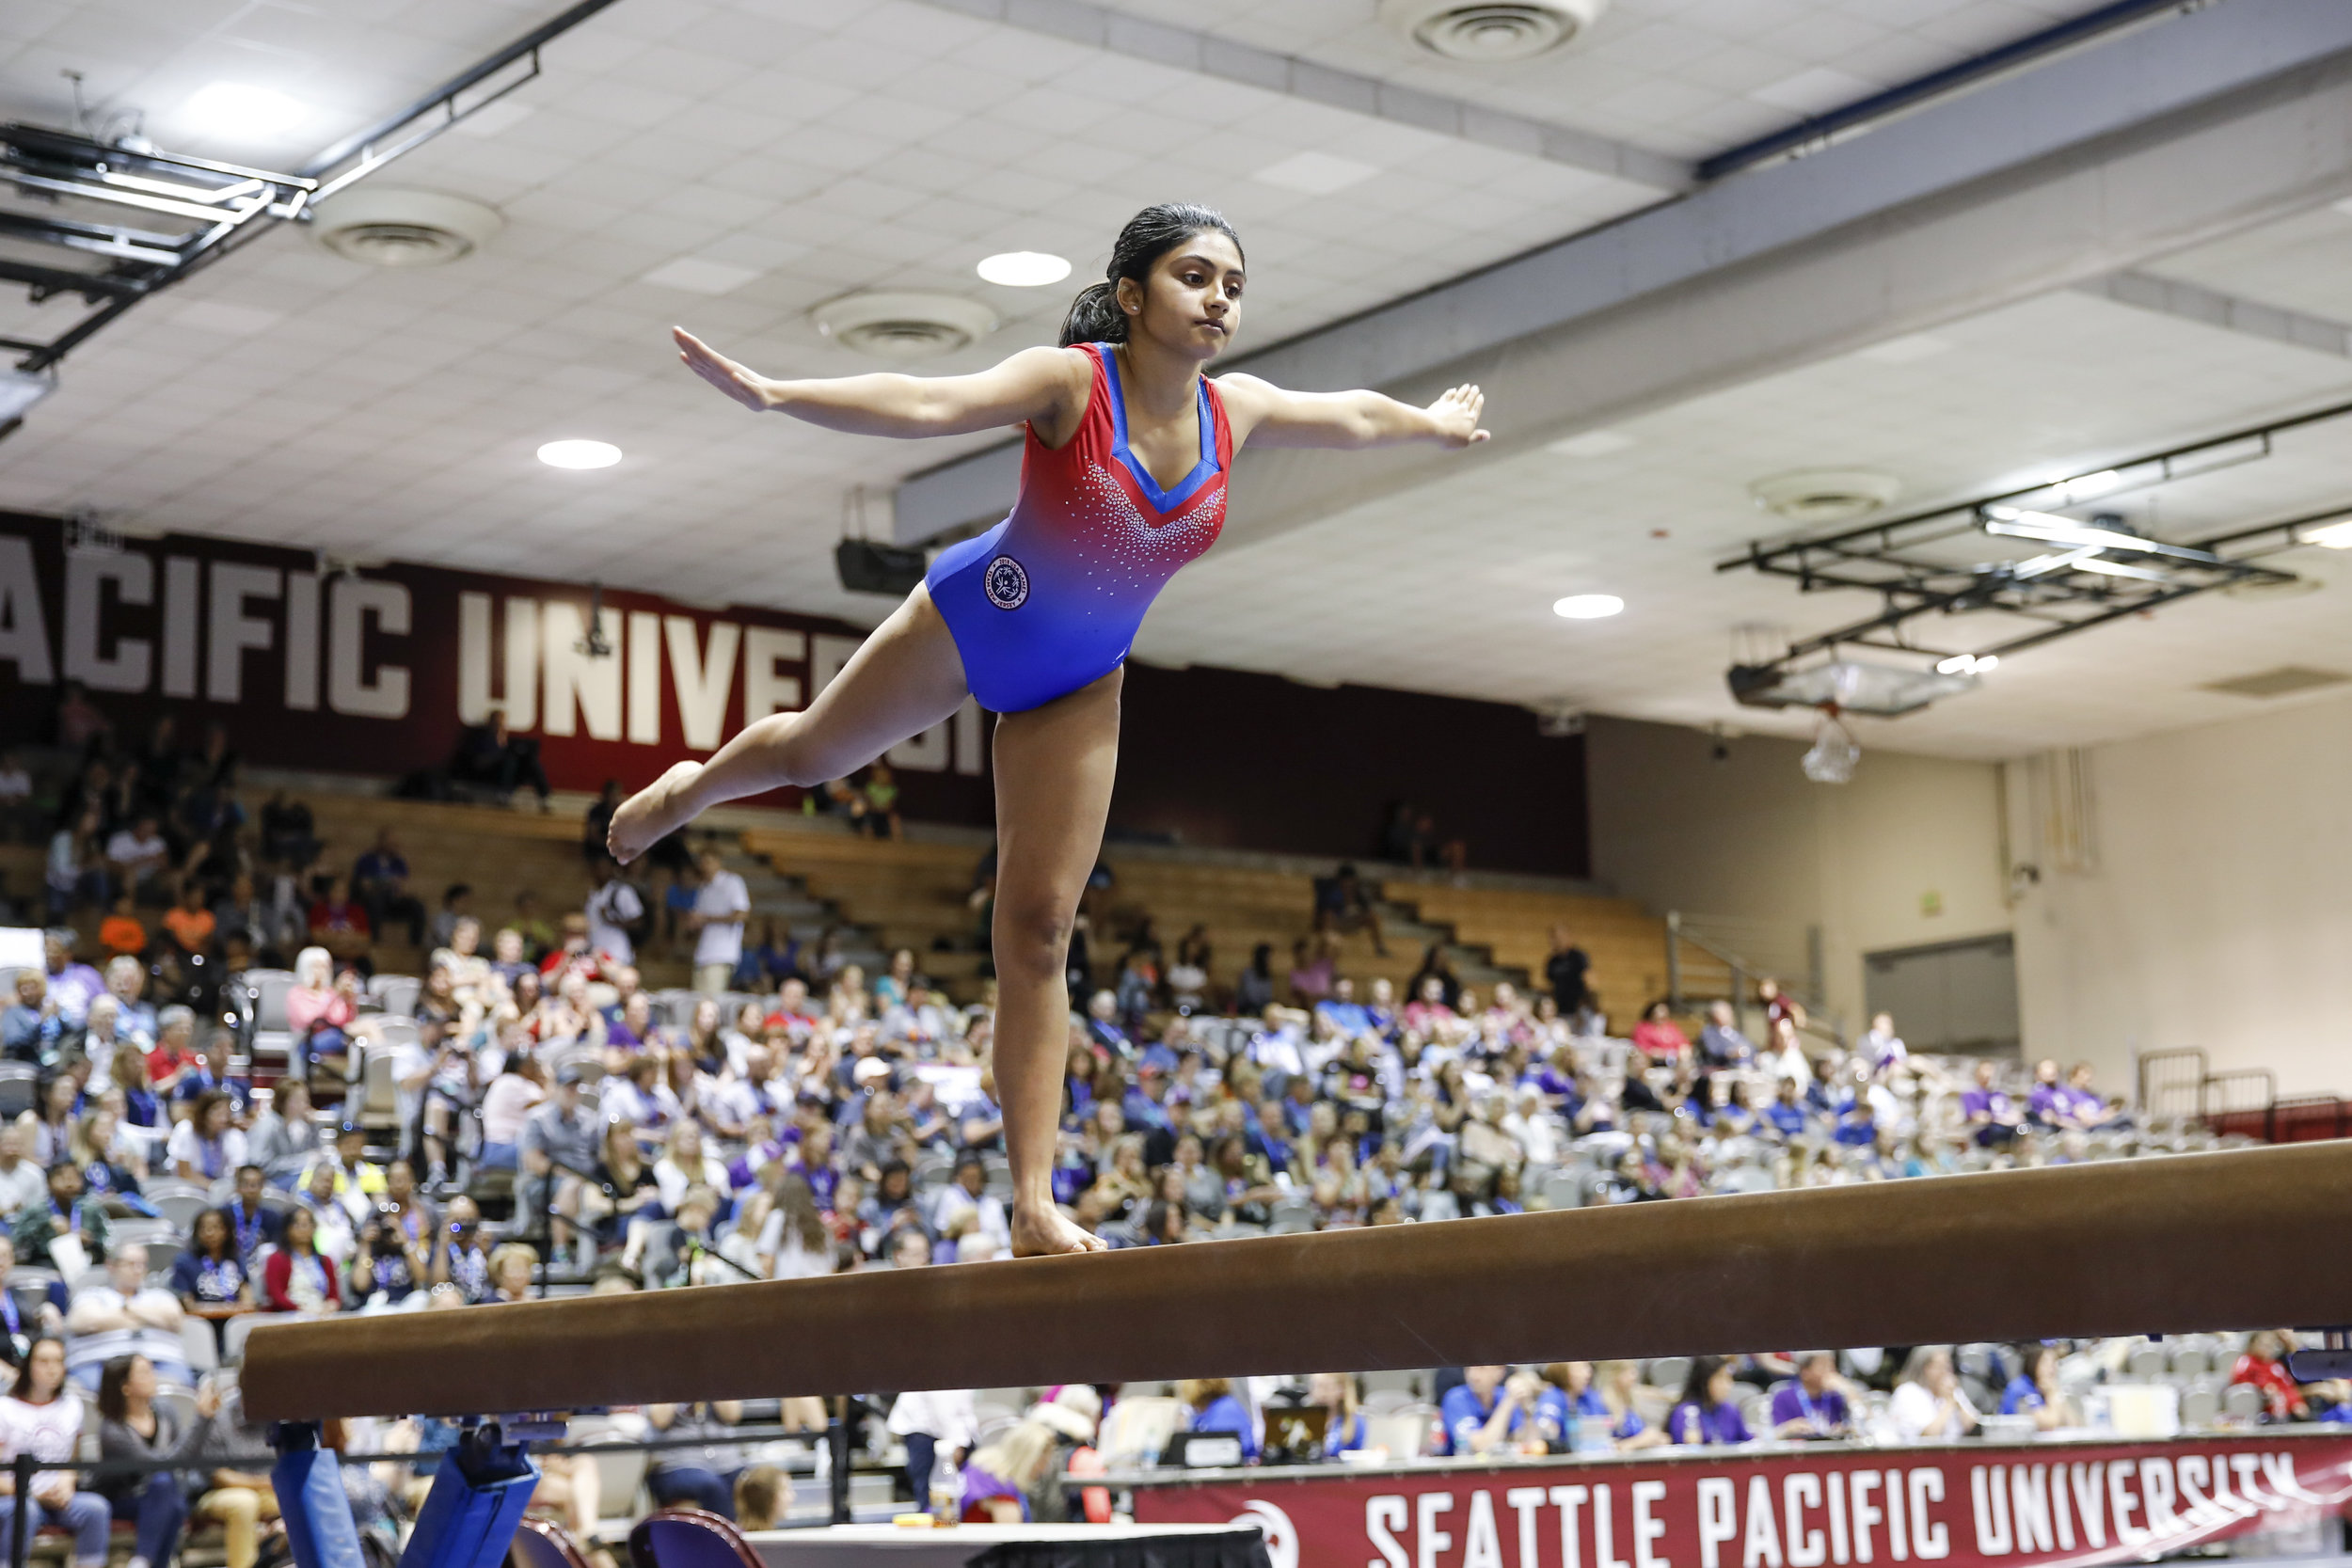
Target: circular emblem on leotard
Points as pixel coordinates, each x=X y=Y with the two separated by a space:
x=1006 y=583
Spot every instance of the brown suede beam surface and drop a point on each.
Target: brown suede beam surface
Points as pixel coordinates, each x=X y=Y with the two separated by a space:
x=2237 y=1239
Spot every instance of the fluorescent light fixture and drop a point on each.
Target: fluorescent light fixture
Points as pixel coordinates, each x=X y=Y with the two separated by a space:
x=2117 y=569
x=580 y=454
x=1592 y=443
x=2063 y=530
x=2335 y=536
x=696 y=275
x=2086 y=485
x=20 y=390
x=2041 y=565
x=1315 y=173
x=1587 y=607
x=1969 y=664
x=239 y=109
x=1023 y=269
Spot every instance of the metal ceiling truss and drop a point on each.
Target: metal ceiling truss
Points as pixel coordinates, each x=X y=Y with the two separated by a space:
x=2092 y=570
x=144 y=219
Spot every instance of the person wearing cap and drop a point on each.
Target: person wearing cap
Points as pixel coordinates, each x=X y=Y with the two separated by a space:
x=557 y=1149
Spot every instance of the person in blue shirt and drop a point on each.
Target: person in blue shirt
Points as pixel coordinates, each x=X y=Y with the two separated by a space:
x=1345 y=1430
x=1480 y=1413
x=1567 y=1399
x=1627 y=1430
x=1705 y=1414
x=1786 y=1115
x=1811 y=1404
x=2034 y=1391
x=1213 y=1408
x=1347 y=1015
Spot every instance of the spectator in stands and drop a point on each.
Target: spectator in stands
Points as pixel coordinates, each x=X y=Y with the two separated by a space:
x=19 y=1321
x=938 y=1428
x=1253 y=990
x=22 y=1183
x=1627 y=1432
x=614 y=910
x=125 y=1301
x=298 y=1277
x=717 y=922
x=207 y=1146
x=703 y=1476
x=491 y=757
x=191 y=927
x=173 y=1056
x=31 y=1030
x=1812 y=1405
x=998 y=1477
x=1722 y=1045
x=1487 y=1411
x=38 y=1417
x=1567 y=972
x=66 y=1215
x=321 y=1009
x=1343 y=906
x=284 y=1139
x=235 y=1458
x=380 y=882
x=1660 y=1038
x=122 y=933
x=2264 y=1368
x=1880 y=1046
x=557 y=1149
x=72 y=985
x=139 y=860
x=74 y=875
x=1705 y=1413
x=1994 y=1119
x=132 y=1426
x=340 y=926
x=1928 y=1403
x=2034 y=1390
x=209 y=1277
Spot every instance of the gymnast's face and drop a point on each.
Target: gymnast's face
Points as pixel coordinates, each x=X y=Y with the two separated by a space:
x=1191 y=303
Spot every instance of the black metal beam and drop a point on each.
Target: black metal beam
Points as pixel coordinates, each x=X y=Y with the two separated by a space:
x=1820 y=130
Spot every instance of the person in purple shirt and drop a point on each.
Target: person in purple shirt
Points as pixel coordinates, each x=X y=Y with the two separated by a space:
x=2049 y=1103
x=1994 y=1118
x=1705 y=1414
x=72 y=984
x=1812 y=1405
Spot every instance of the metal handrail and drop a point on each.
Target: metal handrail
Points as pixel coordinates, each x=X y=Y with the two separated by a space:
x=1820 y=1022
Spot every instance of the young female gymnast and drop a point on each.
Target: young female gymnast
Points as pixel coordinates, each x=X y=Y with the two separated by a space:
x=1123 y=480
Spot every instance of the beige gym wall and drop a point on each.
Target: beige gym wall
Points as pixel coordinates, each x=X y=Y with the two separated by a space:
x=1751 y=838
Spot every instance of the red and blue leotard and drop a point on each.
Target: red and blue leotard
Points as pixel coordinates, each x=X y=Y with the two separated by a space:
x=1049 y=600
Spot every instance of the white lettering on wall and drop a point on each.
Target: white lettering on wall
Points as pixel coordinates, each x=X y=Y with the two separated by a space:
x=766 y=689
x=351 y=604
x=1761 y=1549
x=1482 y=1547
x=1526 y=1501
x=644 y=678
x=1800 y=1490
x=234 y=632
x=1428 y=1539
x=302 y=641
x=1929 y=1540
x=23 y=629
x=574 y=679
x=702 y=681
x=1647 y=1528
x=1570 y=1500
x=127 y=667
x=180 y=582
x=1384 y=1515
x=1718 y=1519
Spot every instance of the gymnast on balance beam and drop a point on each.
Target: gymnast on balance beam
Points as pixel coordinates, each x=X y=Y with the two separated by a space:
x=1122 y=481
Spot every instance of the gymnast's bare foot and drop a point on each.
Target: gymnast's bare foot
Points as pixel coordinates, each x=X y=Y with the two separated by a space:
x=1045 y=1233
x=651 y=815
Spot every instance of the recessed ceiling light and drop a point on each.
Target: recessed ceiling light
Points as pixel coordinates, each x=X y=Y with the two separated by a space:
x=1023 y=269
x=1587 y=607
x=1315 y=173
x=2335 y=536
x=580 y=454
x=1592 y=443
x=241 y=109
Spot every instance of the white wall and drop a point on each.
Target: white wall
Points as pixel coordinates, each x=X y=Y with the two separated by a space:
x=2218 y=911
x=1751 y=837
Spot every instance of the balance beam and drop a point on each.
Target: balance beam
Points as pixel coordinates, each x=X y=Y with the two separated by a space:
x=2199 y=1242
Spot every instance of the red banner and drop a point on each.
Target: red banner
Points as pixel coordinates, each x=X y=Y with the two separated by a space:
x=2069 y=1505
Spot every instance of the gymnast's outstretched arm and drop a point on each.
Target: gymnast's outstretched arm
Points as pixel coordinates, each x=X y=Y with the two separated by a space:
x=1264 y=413
x=1048 y=385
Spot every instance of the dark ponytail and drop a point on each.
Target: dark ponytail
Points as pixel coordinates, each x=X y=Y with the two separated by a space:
x=1094 y=316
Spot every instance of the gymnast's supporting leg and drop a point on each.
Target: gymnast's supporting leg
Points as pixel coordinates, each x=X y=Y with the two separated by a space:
x=1055 y=768
x=906 y=677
